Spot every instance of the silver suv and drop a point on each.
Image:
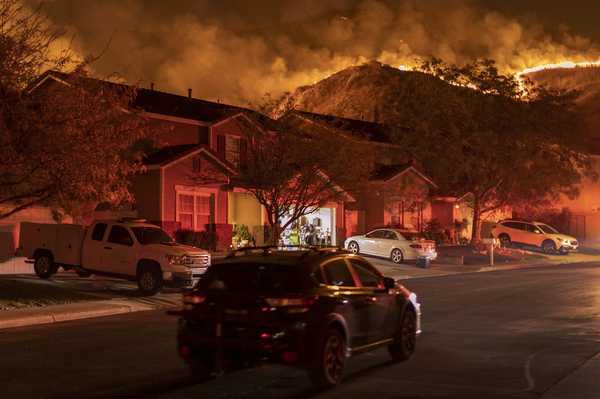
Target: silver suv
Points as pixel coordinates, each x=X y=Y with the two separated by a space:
x=534 y=234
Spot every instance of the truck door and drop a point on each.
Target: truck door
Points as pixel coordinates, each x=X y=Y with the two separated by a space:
x=118 y=253
x=93 y=247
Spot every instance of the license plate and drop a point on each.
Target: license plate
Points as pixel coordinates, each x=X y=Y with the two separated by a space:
x=237 y=312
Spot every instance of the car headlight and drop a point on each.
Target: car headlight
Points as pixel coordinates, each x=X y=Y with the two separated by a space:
x=178 y=259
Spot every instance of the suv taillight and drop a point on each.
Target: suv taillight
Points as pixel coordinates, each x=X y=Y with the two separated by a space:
x=193 y=299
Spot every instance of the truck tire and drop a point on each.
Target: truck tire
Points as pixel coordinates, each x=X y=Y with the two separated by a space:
x=149 y=278
x=44 y=265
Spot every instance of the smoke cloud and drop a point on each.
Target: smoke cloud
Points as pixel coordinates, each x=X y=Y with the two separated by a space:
x=236 y=50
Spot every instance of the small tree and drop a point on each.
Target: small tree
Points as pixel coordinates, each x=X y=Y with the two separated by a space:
x=292 y=174
x=61 y=144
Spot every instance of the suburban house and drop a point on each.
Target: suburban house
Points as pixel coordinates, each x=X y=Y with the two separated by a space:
x=398 y=192
x=188 y=181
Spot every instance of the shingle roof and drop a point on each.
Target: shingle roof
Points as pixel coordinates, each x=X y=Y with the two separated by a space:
x=363 y=129
x=385 y=172
x=159 y=102
x=169 y=153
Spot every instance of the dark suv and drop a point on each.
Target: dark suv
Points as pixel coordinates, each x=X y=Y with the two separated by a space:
x=306 y=308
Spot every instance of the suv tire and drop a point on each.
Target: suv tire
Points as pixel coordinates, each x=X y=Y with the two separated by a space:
x=149 y=279
x=330 y=360
x=44 y=266
x=405 y=341
x=201 y=368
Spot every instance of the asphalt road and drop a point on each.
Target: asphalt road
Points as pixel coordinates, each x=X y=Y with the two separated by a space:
x=510 y=334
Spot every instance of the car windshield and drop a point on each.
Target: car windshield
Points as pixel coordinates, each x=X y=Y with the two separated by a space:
x=151 y=235
x=254 y=277
x=547 y=229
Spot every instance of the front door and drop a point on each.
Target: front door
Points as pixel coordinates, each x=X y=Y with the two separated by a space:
x=93 y=247
x=353 y=302
x=371 y=241
x=380 y=323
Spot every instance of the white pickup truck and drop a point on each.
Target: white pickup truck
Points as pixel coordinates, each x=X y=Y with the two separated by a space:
x=128 y=248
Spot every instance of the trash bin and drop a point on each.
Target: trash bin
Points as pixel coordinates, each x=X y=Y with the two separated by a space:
x=423 y=262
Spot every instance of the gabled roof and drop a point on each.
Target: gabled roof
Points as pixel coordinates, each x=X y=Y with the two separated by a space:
x=171 y=154
x=385 y=173
x=356 y=128
x=163 y=103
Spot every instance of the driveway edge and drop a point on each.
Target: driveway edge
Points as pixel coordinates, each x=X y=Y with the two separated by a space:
x=76 y=311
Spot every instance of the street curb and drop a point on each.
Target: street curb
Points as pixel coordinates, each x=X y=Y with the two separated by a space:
x=77 y=311
x=487 y=269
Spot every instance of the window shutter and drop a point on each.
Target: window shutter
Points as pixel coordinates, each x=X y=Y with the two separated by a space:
x=212 y=209
x=221 y=145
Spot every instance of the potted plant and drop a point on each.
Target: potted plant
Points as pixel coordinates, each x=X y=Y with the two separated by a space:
x=241 y=236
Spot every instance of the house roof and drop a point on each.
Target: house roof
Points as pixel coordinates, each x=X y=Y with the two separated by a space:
x=170 y=154
x=359 y=129
x=163 y=103
x=388 y=172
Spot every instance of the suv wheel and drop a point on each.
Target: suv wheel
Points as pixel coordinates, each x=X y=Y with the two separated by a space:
x=44 y=266
x=397 y=256
x=549 y=247
x=406 y=338
x=201 y=368
x=330 y=361
x=504 y=240
x=353 y=247
x=149 y=279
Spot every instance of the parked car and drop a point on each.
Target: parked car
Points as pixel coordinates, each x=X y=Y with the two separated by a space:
x=128 y=248
x=398 y=245
x=306 y=308
x=533 y=234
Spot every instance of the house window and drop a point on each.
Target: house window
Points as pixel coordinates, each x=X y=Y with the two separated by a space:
x=232 y=150
x=194 y=210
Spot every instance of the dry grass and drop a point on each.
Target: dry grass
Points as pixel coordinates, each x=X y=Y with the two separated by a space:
x=17 y=294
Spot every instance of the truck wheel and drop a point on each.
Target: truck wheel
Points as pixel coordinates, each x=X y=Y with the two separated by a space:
x=44 y=266
x=149 y=279
x=331 y=358
x=403 y=346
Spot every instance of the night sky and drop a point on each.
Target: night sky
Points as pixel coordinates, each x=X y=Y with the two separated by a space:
x=237 y=50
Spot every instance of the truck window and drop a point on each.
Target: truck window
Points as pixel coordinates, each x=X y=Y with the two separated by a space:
x=120 y=235
x=98 y=232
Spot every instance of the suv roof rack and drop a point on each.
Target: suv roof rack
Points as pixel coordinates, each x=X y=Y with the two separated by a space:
x=268 y=249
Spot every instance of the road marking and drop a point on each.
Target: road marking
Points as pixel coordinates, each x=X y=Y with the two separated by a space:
x=528 y=376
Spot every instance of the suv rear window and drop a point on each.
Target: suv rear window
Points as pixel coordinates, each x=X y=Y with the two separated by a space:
x=255 y=277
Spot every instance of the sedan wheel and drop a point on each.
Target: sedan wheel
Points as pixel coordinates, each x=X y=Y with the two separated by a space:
x=353 y=247
x=397 y=256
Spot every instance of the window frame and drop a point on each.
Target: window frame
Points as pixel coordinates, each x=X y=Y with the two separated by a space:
x=192 y=192
x=363 y=263
x=103 y=231
x=120 y=243
x=323 y=265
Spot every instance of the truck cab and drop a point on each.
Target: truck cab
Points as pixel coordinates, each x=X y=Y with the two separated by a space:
x=128 y=248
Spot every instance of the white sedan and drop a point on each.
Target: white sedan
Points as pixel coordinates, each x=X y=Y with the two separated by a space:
x=398 y=245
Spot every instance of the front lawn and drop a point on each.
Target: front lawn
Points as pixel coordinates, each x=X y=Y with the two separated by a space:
x=18 y=293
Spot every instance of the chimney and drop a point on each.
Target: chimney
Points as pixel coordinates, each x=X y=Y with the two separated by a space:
x=152 y=86
x=189 y=93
